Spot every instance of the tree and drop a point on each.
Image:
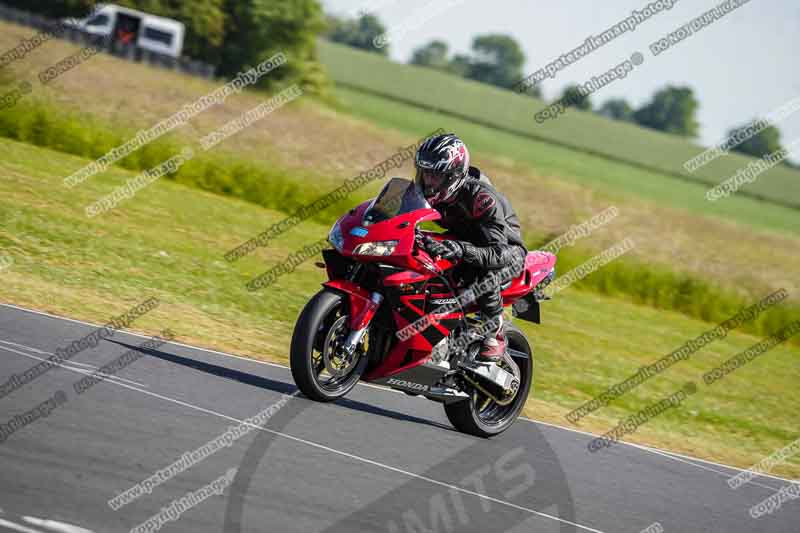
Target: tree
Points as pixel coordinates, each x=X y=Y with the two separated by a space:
x=765 y=142
x=534 y=91
x=672 y=110
x=48 y=8
x=358 y=33
x=574 y=97
x=460 y=65
x=617 y=109
x=497 y=60
x=433 y=55
x=257 y=29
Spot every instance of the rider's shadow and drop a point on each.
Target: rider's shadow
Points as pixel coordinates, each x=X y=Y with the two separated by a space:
x=273 y=384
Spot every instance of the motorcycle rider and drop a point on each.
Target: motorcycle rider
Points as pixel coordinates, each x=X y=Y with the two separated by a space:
x=485 y=226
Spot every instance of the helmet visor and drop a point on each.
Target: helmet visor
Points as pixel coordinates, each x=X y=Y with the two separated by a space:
x=433 y=181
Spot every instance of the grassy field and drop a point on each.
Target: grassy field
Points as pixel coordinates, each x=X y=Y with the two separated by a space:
x=509 y=112
x=614 y=177
x=168 y=242
x=309 y=147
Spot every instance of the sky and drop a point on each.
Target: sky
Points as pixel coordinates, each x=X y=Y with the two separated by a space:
x=740 y=67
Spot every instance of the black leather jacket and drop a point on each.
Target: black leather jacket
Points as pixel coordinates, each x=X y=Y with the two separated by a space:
x=483 y=219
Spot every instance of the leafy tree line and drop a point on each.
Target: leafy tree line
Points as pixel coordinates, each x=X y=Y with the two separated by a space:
x=231 y=34
x=496 y=59
x=671 y=110
x=674 y=110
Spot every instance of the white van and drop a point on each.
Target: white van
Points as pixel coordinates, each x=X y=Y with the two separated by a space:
x=148 y=32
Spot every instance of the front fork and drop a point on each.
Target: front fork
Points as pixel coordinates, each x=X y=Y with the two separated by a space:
x=361 y=322
x=363 y=306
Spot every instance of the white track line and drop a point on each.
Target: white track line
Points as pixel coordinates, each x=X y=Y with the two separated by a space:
x=720 y=472
x=95 y=369
x=68 y=366
x=337 y=452
x=16 y=527
x=54 y=525
x=664 y=453
x=675 y=456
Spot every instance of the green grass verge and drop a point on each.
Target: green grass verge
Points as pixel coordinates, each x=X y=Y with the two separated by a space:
x=662 y=288
x=269 y=185
x=508 y=112
x=168 y=242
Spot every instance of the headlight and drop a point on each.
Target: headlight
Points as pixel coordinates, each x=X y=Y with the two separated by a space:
x=376 y=248
x=335 y=237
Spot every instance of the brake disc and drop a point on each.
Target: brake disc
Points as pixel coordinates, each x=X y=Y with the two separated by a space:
x=337 y=363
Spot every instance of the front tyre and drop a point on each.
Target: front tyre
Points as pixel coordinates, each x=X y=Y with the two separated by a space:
x=318 y=366
x=482 y=417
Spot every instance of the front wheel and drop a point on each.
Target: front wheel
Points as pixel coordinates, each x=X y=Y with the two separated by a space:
x=483 y=417
x=320 y=368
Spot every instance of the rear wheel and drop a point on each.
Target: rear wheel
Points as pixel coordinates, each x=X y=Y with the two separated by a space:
x=320 y=368
x=482 y=416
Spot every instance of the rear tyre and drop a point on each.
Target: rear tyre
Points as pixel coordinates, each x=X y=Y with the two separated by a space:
x=321 y=328
x=483 y=417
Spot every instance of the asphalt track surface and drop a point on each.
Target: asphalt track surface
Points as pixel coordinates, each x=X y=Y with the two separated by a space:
x=375 y=461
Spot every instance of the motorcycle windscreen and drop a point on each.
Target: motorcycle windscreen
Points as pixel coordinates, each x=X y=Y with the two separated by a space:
x=397 y=197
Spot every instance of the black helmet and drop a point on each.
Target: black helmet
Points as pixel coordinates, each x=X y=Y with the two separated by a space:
x=442 y=164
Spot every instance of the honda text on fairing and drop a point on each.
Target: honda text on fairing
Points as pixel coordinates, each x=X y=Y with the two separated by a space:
x=391 y=314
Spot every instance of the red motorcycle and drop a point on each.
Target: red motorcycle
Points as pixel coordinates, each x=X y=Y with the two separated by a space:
x=390 y=314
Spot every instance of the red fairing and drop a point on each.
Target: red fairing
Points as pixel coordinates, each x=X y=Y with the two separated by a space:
x=537 y=267
x=400 y=228
x=362 y=308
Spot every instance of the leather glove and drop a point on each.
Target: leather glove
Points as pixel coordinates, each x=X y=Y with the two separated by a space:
x=446 y=249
